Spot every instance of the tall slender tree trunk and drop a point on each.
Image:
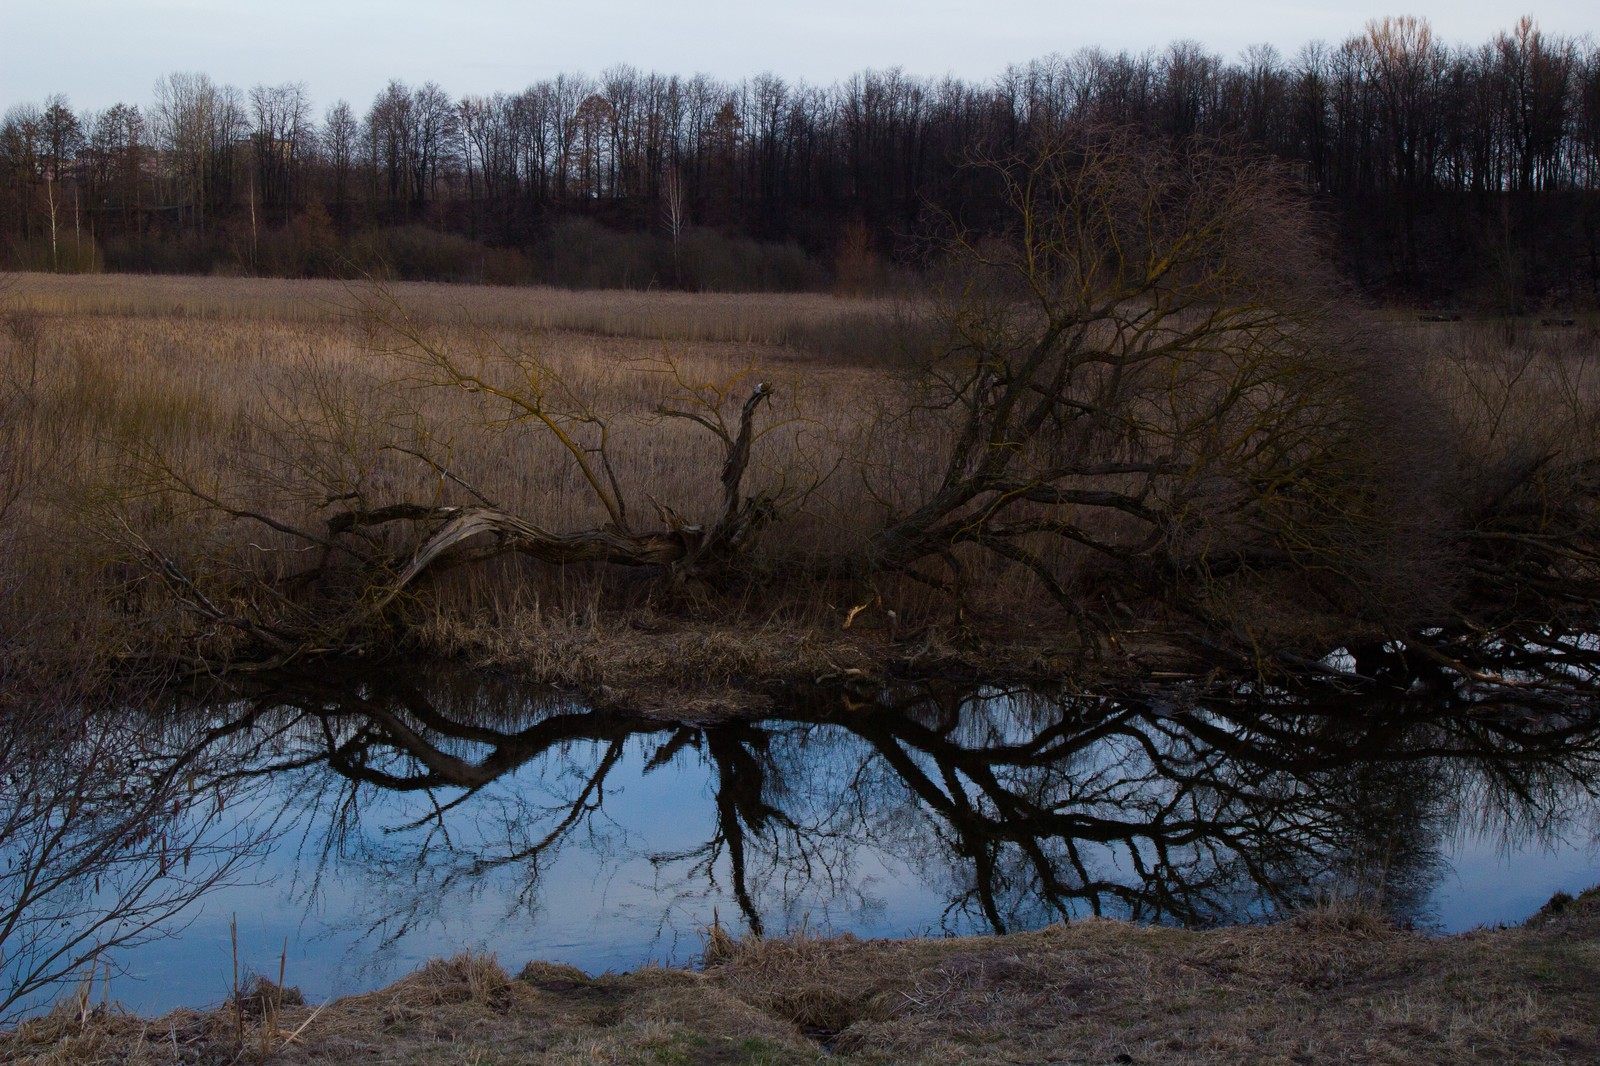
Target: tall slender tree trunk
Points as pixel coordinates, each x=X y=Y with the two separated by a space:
x=50 y=199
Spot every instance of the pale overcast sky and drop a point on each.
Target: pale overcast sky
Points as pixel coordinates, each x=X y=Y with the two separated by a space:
x=100 y=51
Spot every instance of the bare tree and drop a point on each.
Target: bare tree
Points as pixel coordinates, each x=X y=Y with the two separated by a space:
x=340 y=135
x=432 y=143
x=673 y=215
x=1147 y=363
x=197 y=125
x=116 y=152
x=409 y=133
x=592 y=156
x=388 y=131
x=281 y=116
x=1404 y=64
x=22 y=144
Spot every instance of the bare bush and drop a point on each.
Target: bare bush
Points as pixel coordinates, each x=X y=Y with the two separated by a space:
x=1148 y=363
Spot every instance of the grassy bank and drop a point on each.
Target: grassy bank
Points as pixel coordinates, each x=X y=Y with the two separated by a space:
x=1332 y=985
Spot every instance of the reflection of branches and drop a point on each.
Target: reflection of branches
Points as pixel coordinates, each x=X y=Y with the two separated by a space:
x=1210 y=810
x=103 y=843
x=1028 y=807
x=382 y=735
x=743 y=763
x=1027 y=817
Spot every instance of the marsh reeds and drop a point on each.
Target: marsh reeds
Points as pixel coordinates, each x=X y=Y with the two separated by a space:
x=279 y=397
x=688 y=318
x=258 y=1004
x=197 y=420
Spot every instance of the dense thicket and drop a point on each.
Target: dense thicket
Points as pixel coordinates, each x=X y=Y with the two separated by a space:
x=1453 y=173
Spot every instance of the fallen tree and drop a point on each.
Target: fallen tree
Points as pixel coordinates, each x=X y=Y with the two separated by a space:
x=359 y=573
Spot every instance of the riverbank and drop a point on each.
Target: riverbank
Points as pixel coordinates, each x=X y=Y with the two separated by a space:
x=683 y=668
x=1333 y=984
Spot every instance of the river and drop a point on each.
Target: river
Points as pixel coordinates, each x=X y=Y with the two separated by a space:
x=346 y=829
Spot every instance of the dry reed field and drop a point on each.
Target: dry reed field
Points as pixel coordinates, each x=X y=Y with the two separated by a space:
x=160 y=411
x=173 y=447
x=1333 y=985
x=755 y=318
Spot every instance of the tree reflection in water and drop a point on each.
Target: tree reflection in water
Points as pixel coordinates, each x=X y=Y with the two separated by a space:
x=1020 y=807
x=1013 y=808
x=113 y=822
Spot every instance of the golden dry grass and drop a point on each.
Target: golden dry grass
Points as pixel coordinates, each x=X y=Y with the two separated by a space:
x=216 y=366
x=1514 y=388
x=743 y=318
x=286 y=397
x=1332 y=985
x=279 y=396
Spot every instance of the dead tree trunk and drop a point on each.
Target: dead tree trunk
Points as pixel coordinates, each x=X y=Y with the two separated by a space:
x=451 y=536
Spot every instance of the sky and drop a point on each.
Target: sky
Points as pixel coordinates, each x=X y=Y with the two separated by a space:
x=99 y=52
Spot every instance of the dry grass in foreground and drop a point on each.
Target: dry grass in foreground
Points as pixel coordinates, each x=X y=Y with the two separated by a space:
x=1332 y=985
x=273 y=396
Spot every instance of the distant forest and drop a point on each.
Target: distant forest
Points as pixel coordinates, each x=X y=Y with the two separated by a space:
x=1452 y=176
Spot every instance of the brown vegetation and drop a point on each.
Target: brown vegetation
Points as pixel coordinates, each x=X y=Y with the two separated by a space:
x=1136 y=403
x=1151 y=364
x=276 y=403
x=1333 y=984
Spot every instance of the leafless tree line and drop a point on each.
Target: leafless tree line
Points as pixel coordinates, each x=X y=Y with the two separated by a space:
x=1392 y=125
